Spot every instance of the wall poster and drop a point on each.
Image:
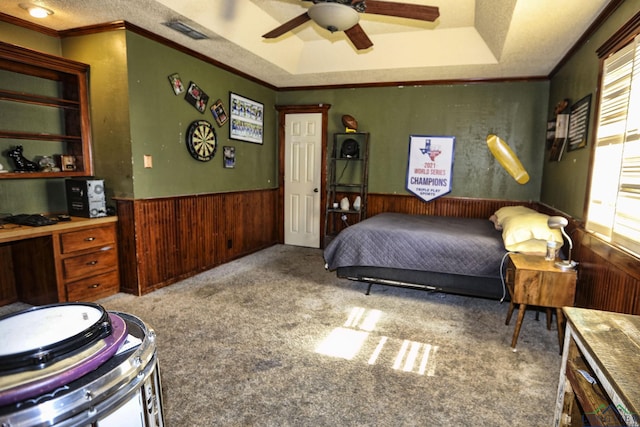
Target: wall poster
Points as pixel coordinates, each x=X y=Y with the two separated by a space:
x=430 y=165
x=579 y=124
x=247 y=119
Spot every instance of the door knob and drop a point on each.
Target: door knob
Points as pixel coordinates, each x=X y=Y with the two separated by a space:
x=315 y=190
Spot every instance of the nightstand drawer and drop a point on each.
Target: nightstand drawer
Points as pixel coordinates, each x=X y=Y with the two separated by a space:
x=93 y=288
x=86 y=239
x=90 y=264
x=544 y=288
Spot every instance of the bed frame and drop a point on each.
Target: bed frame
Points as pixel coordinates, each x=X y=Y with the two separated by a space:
x=484 y=287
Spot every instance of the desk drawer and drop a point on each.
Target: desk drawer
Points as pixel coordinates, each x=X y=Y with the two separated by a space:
x=90 y=264
x=86 y=239
x=93 y=288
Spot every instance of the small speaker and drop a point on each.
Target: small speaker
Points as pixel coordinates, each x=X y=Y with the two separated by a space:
x=350 y=149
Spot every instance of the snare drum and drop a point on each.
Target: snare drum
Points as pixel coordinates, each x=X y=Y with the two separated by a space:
x=110 y=381
x=49 y=346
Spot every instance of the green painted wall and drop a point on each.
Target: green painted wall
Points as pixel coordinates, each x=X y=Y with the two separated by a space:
x=565 y=183
x=30 y=39
x=134 y=112
x=106 y=53
x=514 y=111
x=159 y=121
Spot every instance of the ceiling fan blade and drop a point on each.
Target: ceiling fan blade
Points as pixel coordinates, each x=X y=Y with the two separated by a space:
x=287 y=26
x=402 y=10
x=358 y=37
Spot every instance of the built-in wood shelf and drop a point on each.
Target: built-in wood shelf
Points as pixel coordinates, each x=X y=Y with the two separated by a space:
x=50 y=96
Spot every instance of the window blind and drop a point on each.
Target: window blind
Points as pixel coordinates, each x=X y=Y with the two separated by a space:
x=614 y=201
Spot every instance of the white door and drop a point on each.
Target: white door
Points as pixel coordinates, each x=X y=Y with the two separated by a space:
x=302 y=186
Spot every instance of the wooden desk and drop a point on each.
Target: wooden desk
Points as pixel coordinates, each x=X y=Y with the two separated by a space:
x=605 y=345
x=73 y=260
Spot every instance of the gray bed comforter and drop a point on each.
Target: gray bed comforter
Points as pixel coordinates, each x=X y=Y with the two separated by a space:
x=467 y=246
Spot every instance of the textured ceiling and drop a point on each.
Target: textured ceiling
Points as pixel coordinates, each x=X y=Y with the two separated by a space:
x=472 y=39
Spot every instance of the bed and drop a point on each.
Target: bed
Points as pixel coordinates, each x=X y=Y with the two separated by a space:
x=448 y=254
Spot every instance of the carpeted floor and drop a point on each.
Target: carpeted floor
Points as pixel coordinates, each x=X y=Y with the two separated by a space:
x=273 y=339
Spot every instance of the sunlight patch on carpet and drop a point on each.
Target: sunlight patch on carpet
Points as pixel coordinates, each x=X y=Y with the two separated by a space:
x=376 y=352
x=410 y=352
x=342 y=343
x=368 y=322
x=347 y=341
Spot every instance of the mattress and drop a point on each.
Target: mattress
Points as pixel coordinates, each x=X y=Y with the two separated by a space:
x=452 y=245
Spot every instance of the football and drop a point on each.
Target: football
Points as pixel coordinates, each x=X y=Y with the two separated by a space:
x=350 y=122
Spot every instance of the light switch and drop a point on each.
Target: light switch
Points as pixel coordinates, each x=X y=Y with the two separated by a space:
x=148 y=161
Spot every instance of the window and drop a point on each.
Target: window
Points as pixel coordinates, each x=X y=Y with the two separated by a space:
x=614 y=200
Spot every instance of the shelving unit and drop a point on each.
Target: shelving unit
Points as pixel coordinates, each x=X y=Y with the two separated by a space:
x=348 y=177
x=598 y=378
x=45 y=106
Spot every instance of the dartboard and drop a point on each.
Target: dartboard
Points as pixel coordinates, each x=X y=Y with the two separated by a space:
x=201 y=140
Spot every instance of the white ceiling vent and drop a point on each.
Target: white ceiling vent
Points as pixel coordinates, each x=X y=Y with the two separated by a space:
x=183 y=28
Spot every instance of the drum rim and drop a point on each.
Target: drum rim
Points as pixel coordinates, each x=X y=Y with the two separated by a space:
x=42 y=356
x=68 y=371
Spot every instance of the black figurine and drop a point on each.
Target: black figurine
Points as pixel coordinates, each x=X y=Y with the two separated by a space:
x=22 y=164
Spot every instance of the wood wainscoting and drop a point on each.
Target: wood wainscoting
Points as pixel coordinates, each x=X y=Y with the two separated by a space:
x=608 y=277
x=444 y=206
x=164 y=240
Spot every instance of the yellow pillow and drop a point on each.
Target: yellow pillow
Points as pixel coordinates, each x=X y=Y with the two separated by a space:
x=530 y=247
x=503 y=213
x=517 y=229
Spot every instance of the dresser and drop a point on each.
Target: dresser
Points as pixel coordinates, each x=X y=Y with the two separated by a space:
x=75 y=260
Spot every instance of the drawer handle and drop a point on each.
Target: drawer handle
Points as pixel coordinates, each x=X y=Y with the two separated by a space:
x=89 y=239
x=94 y=262
x=95 y=285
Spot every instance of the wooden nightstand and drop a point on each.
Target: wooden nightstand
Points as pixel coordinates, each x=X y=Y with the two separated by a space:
x=531 y=280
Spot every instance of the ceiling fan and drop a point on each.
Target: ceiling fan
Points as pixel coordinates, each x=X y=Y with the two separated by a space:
x=343 y=15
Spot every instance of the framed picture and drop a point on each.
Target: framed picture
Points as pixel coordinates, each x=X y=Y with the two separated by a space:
x=229 y=157
x=217 y=109
x=247 y=119
x=560 y=138
x=196 y=97
x=551 y=133
x=579 y=124
x=176 y=83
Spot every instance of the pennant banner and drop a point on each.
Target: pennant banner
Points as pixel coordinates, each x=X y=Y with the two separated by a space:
x=430 y=165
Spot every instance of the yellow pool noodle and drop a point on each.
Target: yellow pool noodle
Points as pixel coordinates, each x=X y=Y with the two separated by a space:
x=507 y=158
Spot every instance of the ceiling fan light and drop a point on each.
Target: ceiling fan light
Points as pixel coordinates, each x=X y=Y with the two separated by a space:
x=36 y=11
x=333 y=16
